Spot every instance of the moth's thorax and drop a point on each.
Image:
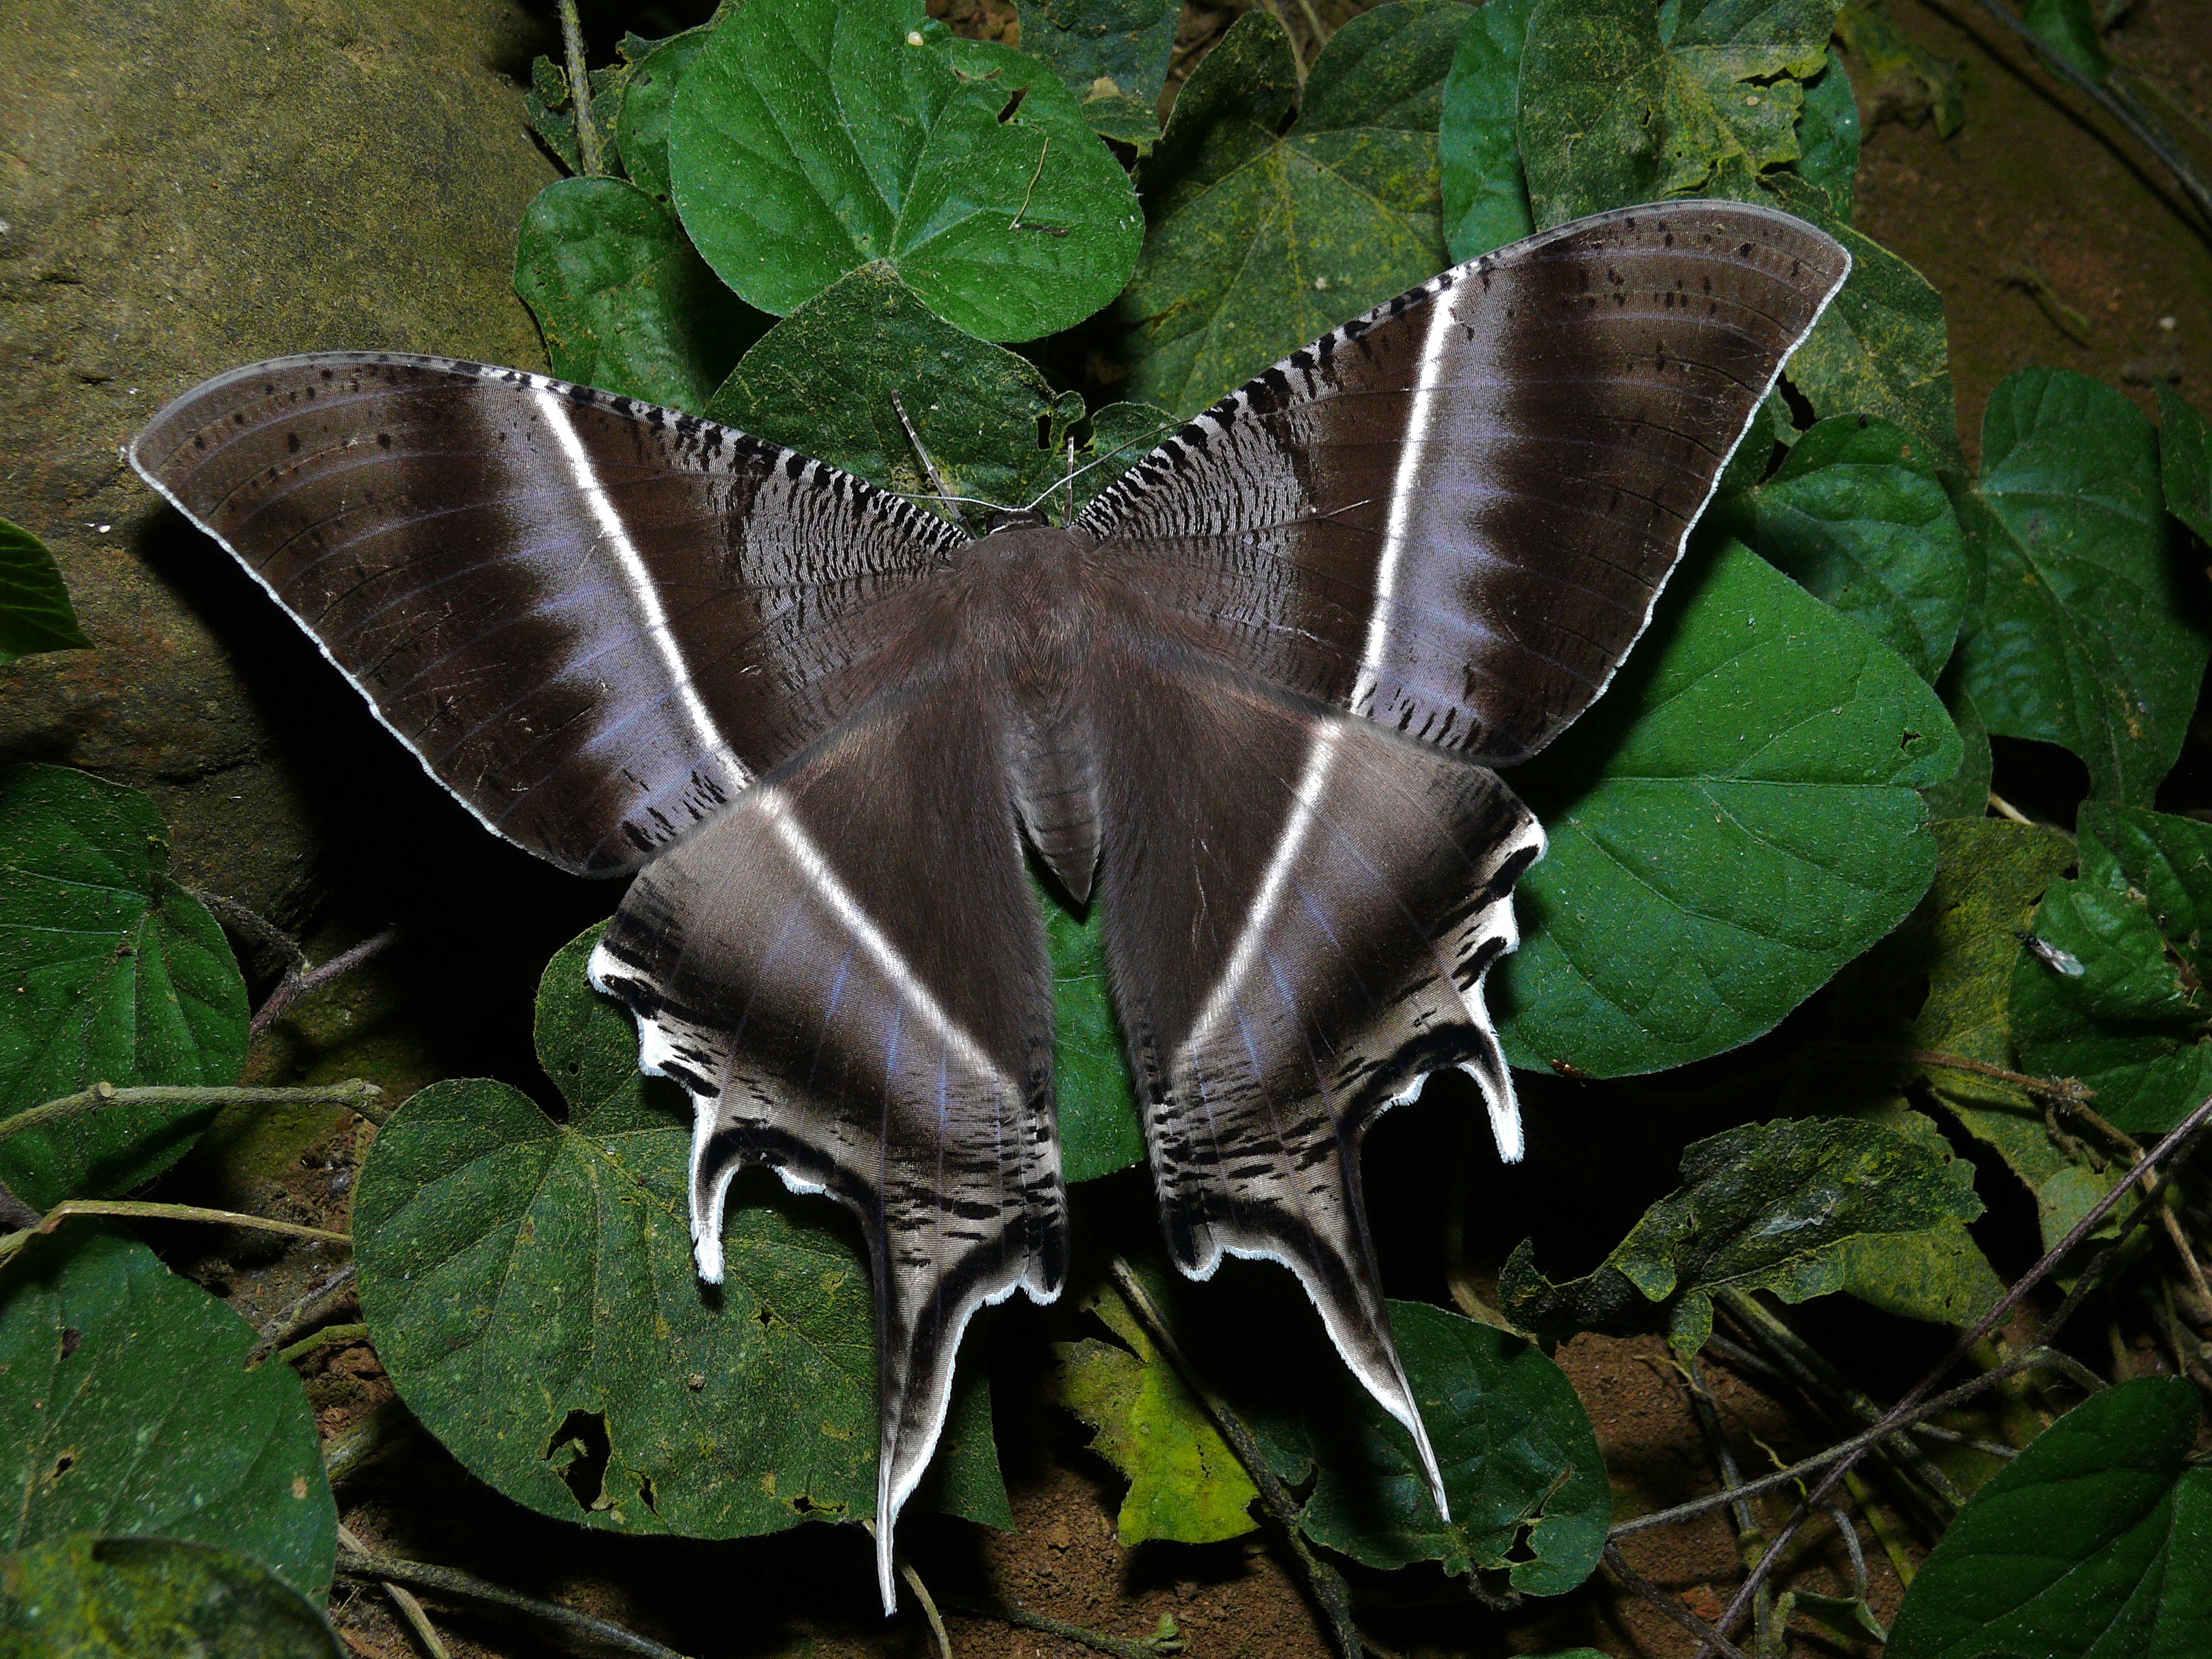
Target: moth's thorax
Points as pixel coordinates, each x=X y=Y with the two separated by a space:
x=1027 y=610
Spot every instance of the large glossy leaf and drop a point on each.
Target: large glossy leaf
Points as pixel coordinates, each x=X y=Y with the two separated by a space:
x=1486 y=195
x=624 y=301
x=1857 y=516
x=2094 y=1543
x=528 y=1284
x=1881 y=348
x=812 y=138
x=823 y=379
x=2086 y=636
x=1773 y=1208
x=1622 y=101
x=1185 y=1483
x=86 y=1597
x=1733 y=822
x=125 y=1407
x=2125 y=1010
x=34 y=606
x=1261 y=239
x=2185 y=459
x=649 y=103
x=109 y=972
x=1519 y=1461
x=1112 y=53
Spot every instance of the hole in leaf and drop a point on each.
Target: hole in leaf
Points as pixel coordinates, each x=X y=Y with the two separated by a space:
x=803 y=1505
x=580 y=1452
x=1801 y=413
x=63 y=1465
x=764 y=1316
x=71 y=1339
x=1013 y=104
x=1044 y=433
x=645 y=1491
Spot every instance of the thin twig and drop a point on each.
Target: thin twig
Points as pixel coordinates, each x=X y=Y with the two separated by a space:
x=344 y=1456
x=922 y=1594
x=2186 y=1132
x=140 y=1210
x=1320 y=30
x=2119 y=104
x=341 y=1334
x=1750 y=1537
x=356 y=1094
x=2005 y=810
x=298 y=981
x=467 y=1587
x=1670 y=1605
x=1327 y=1584
x=310 y=1310
x=244 y=919
x=588 y=151
x=2063 y=1088
x=1158 y=1647
x=403 y=1599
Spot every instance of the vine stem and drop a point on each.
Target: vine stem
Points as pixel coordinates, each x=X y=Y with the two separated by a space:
x=579 y=93
x=403 y=1599
x=2183 y=1134
x=356 y=1093
x=1327 y=1584
x=1158 y=1647
x=2119 y=104
x=299 y=981
x=1670 y=1605
x=141 y=1210
x=352 y=1562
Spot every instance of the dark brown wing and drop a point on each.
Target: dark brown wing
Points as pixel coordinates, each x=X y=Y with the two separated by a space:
x=594 y=621
x=848 y=971
x=1299 y=911
x=1453 y=515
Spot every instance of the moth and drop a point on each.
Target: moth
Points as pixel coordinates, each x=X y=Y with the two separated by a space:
x=1253 y=699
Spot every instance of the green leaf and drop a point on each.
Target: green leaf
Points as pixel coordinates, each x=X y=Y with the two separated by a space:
x=2069 y=28
x=528 y=1284
x=552 y=111
x=1900 y=76
x=2084 y=637
x=648 y=104
x=1519 y=1462
x=1113 y=54
x=1939 y=1275
x=1772 y=1207
x=2184 y=458
x=1967 y=795
x=2134 y=1022
x=109 y=972
x=152 y=1598
x=1120 y=435
x=1099 y=1132
x=1857 y=515
x=2094 y=1543
x=1259 y=242
x=1185 y=1483
x=1733 y=822
x=1828 y=135
x=34 y=605
x=823 y=381
x=1881 y=348
x=126 y=1407
x=1624 y=103
x=1963 y=941
x=814 y=136
x=624 y=303
x=1485 y=197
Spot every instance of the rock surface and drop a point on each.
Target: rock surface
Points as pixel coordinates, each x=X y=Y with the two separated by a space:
x=187 y=185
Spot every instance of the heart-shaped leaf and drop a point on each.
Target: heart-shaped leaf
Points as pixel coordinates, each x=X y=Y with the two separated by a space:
x=1519 y=1462
x=2086 y=637
x=1113 y=54
x=2094 y=1543
x=1733 y=822
x=152 y=1598
x=1486 y=195
x=1774 y=1207
x=530 y=1287
x=109 y=972
x=34 y=606
x=1261 y=241
x=1857 y=516
x=624 y=303
x=2122 y=1006
x=829 y=380
x=126 y=1407
x=1622 y=101
x=814 y=136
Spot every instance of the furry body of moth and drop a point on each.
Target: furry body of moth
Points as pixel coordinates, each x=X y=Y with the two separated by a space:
x=1254 y=696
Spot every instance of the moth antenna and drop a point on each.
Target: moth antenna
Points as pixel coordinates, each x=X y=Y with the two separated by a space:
x=1069 y=482
x=1096 y=460
x=928 y=467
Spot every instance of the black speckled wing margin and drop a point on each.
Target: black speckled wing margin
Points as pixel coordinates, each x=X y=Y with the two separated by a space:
x=1453 y=515
x=847 y=972
x=594 y=621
